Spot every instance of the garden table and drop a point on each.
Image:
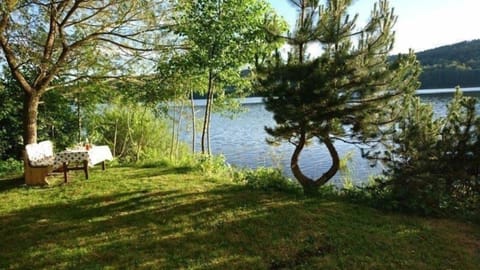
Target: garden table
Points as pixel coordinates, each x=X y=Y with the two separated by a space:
x=81 y=159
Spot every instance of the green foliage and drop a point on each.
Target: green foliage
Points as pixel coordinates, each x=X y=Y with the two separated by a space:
x=346 y=172
x=267 y=179
x=448 y=77
x=434 y=163
x=90 y=33
x=466 y=53
x=10 y=166
x=213 y=166
x=10 y=122
x=56 y=119
x=133 y=132
x=222 y=37
x=52 y=45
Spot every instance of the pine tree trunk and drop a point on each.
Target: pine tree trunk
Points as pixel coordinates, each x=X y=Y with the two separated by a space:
x=30 y=115
x=297 y=172
x=335 y=163
x=309 y=185
x=302 y=25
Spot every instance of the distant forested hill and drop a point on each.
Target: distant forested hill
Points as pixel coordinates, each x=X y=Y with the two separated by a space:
x=452 y=65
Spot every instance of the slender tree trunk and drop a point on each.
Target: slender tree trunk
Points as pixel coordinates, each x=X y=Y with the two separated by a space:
x=302 y=25
x=79 y=119
x=210 y=106
x=192 y=103
x=206 y=118
x=179 y=126
x=30 y=116
x=126 y=138
x=172 y=142
x=115 y=134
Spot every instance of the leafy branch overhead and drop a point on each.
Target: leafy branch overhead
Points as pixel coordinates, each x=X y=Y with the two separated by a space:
x=67 y=41
x=222 y=37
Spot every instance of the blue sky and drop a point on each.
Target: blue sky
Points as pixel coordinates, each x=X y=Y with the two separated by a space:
x=422 y=24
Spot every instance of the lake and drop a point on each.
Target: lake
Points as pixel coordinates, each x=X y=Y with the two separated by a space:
x=242 y=140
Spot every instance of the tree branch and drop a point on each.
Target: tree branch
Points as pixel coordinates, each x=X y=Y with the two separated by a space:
x=10 y=55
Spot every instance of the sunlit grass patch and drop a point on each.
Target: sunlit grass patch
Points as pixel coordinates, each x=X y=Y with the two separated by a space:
x=161 y=217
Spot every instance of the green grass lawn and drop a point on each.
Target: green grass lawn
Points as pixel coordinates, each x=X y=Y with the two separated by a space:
x=166 y=218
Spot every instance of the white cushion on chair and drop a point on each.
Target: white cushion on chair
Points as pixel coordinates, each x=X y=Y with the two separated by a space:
x=40 y=154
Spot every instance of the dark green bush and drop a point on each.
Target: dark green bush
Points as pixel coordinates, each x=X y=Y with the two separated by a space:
x=212 y=165
x=433 y=163
x=56 y=119
x=10 y=166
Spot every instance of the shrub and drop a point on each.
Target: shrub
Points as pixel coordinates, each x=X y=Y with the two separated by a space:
x=268 y=179
x=10 y=167
x=213 y=165
x=56 y=119
x=134 y=133
x=433 y=164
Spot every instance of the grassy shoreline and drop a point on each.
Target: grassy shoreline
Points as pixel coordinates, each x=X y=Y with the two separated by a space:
x=173 y=218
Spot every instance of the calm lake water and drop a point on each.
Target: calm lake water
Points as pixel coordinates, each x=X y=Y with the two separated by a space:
x=242 y=140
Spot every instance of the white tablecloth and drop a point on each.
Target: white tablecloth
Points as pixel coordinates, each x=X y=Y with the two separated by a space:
x=93 y=156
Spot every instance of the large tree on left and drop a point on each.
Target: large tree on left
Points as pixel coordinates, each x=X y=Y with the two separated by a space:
x=68 y=41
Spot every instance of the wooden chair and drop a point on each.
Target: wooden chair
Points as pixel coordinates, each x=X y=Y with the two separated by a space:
x=39 y=159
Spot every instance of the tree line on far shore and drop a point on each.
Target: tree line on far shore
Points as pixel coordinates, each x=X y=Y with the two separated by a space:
x=450 y=66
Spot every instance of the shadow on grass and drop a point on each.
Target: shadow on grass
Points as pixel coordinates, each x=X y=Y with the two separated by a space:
x=179 y=170
x=9 y=183
x=149 y=170
x=167 y=168
x=224 y=228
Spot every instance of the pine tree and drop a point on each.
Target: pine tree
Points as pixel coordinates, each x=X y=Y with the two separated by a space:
x=349 y=92
x=432 y=162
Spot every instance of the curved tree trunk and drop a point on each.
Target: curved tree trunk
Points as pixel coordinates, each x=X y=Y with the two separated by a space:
x=30 y=115
x=309 y=185
x=297 y=172
x=335 y=163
